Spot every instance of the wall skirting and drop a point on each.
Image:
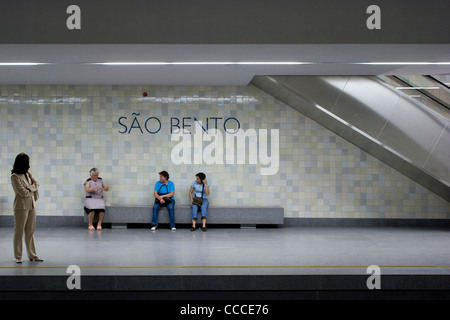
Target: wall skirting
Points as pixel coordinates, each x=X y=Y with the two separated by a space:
x=78 y=221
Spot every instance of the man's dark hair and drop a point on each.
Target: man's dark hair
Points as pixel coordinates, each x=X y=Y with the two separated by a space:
x=165 y=174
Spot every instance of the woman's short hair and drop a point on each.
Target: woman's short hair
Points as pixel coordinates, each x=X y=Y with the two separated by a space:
x=21 y=164
x=93 y=170
x=165 y=174
x=201 y=175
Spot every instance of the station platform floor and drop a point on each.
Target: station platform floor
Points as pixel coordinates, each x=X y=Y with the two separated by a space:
x=285 y=262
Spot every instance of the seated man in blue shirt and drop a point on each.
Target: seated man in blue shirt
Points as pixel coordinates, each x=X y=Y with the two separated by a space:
x=164 y=191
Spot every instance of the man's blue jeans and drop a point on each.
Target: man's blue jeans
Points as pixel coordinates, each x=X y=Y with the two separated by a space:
x=170 y=208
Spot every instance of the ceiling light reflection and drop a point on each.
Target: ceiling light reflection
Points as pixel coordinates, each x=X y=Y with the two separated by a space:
x=201 y=63
x=20 y=63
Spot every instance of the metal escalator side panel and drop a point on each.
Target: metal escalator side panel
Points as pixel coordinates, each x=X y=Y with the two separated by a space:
x=379 y=120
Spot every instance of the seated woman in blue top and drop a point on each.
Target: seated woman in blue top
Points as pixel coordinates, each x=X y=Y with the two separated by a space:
x=164 y=191
x=198 y=193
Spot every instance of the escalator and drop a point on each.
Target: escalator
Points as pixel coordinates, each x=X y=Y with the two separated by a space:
x=403 y=121
x=431 y=91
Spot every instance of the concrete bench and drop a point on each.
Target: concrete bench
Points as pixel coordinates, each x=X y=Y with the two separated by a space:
x=239 y=215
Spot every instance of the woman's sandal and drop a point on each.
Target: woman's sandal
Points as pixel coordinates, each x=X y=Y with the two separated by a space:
x=91 y=228
x=36 y=259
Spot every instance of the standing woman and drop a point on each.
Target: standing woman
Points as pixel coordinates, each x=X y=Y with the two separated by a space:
x=26 y=191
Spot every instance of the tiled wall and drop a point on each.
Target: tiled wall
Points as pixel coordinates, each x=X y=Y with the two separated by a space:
x=67 y=130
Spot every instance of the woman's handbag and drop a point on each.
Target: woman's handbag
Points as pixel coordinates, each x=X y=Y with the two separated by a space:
x=167 y=200
x=198 y=201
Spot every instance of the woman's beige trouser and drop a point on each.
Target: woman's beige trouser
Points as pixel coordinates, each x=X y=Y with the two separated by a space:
x=24 y=222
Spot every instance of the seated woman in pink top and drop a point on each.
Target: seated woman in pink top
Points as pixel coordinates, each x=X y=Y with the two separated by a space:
x=93 y=202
